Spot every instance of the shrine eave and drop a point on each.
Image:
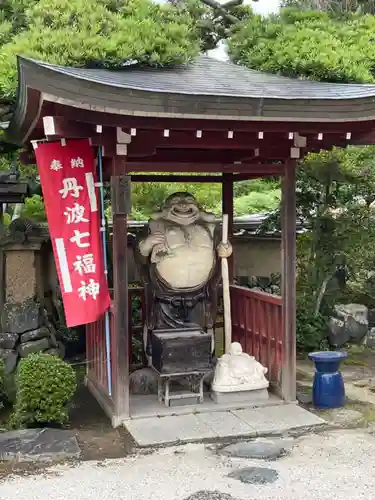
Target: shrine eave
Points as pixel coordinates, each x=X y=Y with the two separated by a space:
x=204 y=90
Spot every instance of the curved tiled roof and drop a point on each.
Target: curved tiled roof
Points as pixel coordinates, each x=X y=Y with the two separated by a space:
x=211 y=77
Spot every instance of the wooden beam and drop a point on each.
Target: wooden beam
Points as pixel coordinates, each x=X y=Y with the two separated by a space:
x=58 y=127
x=121 y=334
x=159 y=123
x=177 y=178
x=202 y=139
x=288 y=279
x=269 y=169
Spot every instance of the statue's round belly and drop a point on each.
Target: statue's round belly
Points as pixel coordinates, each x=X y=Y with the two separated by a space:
x=188 y=267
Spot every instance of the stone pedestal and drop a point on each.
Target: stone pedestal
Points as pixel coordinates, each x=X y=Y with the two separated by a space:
x=24 y=326
x=253 y=396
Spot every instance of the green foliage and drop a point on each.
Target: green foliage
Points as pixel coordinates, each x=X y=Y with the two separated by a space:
x=256 y=202
x=104 y=33
x=336 y=7
x=34 y=209
x=311 y=330
x=45 y=385
x=250 y=196
x=335 y=198
x=309 y=44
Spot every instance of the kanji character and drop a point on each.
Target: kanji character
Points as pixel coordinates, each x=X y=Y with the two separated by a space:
x=77 y=163
x=75 y=214
x=90 y=289
x=85 y=264
x=78 y=236
x=71 y=186
x=56 y=165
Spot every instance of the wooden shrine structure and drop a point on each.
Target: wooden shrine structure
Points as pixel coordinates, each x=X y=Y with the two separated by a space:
x=210 y=117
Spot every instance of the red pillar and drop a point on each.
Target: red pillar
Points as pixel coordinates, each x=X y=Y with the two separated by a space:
x=120 y=187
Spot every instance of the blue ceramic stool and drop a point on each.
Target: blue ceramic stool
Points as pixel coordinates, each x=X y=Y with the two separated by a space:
x=328 y=388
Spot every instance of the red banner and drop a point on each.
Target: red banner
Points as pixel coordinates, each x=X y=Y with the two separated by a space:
x=71 y=197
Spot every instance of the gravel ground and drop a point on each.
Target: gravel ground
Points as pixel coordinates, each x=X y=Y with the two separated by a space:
x=333 y=466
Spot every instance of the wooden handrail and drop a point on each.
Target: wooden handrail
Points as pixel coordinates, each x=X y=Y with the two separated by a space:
x=258 y=294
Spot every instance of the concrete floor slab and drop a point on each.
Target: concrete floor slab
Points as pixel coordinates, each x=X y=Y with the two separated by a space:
x=226 y=424
x=251 y=422
x=156 y=431
x=283 y=418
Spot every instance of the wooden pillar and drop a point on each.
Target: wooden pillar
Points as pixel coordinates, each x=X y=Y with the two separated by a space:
x=288 y=277
x=120 y=195
x=227 y=208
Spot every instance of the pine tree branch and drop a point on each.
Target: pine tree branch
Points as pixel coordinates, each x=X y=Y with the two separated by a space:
x=221 y=9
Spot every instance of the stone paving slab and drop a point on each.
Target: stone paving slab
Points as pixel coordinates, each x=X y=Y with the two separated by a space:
x=38 y=445
x=286 y=417
x=225 y=423
x=155 y=431
x=251 y=422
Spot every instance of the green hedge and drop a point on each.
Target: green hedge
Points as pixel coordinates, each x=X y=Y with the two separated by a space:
x=45 y=384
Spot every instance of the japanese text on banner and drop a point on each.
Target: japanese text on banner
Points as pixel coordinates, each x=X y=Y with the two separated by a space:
x=67 y=173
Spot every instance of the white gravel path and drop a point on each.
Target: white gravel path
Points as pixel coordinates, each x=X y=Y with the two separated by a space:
x=334 y=466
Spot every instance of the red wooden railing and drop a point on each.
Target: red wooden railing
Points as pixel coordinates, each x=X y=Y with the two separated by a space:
x=257 y=325
x=96 y=353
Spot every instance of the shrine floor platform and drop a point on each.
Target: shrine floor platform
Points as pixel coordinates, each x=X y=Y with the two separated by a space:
x=193 y=425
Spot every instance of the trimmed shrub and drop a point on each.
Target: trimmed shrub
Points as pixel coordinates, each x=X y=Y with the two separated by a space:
x=45 y=385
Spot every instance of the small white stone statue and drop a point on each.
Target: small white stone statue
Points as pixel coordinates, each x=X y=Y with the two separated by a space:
x=237 y=371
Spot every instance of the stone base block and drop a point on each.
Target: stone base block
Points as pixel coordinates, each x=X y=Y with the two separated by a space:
x=255 y=396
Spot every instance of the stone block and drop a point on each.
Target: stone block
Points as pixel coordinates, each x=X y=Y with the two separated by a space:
x=21 y=317
x=371 y=318
x=20 y=276
x=350 y=323
x=37 y=334
x=144 y=381
x=57 y=351
x=38 y=445
x=255 y=475
x=33 y=346
x=10 y=357
x=255 y=396
x=210 y=495
x=257 y=449
x=8 y=340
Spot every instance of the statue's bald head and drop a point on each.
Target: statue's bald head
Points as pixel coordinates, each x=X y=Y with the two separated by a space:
x=181 y=207
x=179 y=197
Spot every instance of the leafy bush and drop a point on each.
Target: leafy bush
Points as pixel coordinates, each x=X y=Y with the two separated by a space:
x=256 y=202
x=34 y=209
x=312 y=45
x=45 y=384
x=311 y=331
x=96 y=33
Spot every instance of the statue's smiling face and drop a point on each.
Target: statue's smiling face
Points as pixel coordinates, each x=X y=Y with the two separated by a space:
x=182 y=208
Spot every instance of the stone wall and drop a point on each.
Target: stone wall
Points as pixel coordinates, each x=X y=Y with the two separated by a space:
x=25 y=325
x=255 y=256
x=20 y=275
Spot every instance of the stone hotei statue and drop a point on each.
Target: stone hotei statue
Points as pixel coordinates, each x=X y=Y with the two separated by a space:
x=237 y=371
x=179 y=265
